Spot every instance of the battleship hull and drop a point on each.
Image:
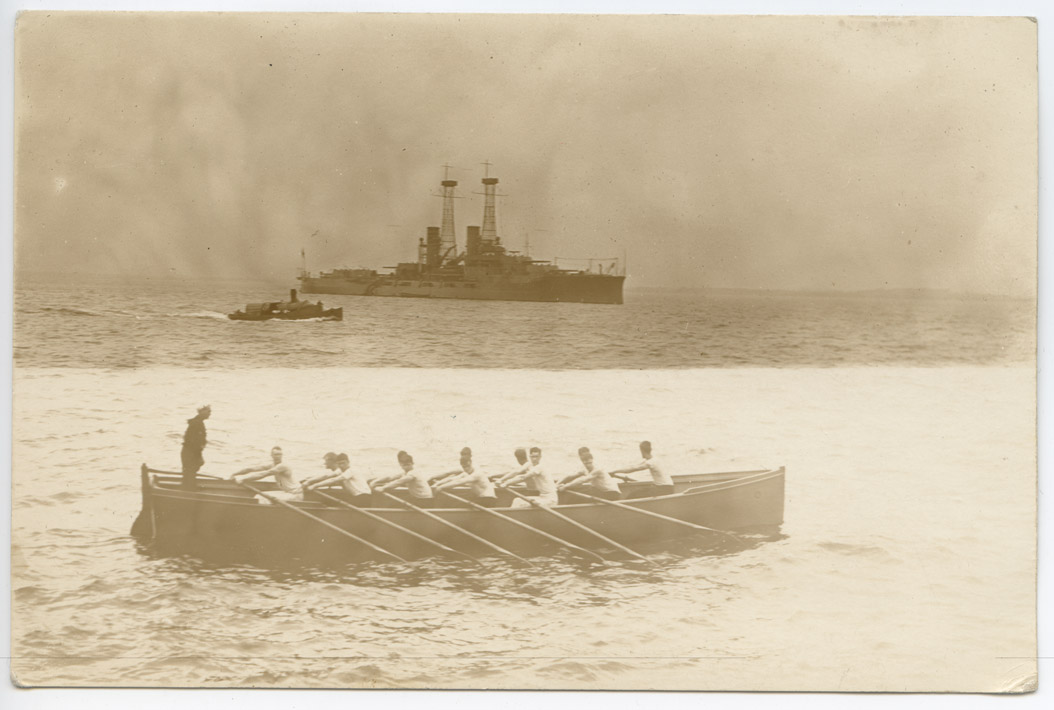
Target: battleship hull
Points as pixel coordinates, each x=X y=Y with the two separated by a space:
x=565 y=288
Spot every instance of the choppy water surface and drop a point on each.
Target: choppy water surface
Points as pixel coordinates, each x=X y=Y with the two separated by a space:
x=904 y=487
x=99 y=323
x=905 y=426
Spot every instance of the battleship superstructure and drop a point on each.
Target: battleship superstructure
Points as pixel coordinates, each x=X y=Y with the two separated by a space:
x=485 y=270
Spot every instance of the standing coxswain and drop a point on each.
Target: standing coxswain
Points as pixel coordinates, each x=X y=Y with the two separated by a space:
x=194 y=442
x=662 y=483
x=289 y=488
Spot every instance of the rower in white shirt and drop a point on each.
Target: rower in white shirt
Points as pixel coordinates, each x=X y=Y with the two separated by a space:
x=521 y=466
x=329 y=462
x=289 y=489
x=535 y=477
x=355 y=482
x=466 y=454
x=416 y=482
x=591 y=480
x=480 y=487
x=662 y=483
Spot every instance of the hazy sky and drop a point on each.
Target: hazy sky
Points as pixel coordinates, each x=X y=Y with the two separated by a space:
x=782 y=152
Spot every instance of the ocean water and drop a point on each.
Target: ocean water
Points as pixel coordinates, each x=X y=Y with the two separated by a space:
x=93 y=322
x=907 y=552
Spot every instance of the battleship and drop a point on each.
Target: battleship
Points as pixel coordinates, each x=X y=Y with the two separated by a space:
x=484 y=270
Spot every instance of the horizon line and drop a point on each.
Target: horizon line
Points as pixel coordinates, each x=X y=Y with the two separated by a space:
x=925 y=291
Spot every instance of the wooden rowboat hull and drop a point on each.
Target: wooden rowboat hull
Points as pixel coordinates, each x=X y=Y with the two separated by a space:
x=223 y=519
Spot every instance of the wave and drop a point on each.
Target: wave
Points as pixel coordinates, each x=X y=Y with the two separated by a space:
x=844 y=548
x=214 y=315
x=72 y=311
x=88 y=312
x=34 y=501
x=302 y=320
x=571 y=670
x=369 y=674
x=33 y=594
x=320 y=351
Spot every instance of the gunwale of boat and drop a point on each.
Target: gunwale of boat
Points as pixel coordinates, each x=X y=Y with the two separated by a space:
x=740 y=478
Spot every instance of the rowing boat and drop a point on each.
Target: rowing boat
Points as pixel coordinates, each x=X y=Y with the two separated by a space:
x=223 y=517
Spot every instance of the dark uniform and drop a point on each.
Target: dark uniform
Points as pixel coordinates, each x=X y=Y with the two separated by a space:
x=193 y=445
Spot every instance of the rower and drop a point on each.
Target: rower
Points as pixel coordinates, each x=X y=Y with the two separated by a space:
x=481 y=490
x=355 y=482
x=289 y=488
x=535 y=477
x=416 y=482
x=662 y=483
x=329 y=461
x=598 y=481
x=466 y=453
x=522 y=465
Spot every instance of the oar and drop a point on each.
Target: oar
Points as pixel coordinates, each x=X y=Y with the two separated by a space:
x=180 y=473
x=660 y=516
x=580 y=526
x=521 y=524
x=433 y=516
x=319 y=520
x=397 y=526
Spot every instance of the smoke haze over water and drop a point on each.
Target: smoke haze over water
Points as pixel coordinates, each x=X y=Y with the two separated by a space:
x=808 y=153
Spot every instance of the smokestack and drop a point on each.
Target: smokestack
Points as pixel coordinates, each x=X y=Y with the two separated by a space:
x=432 y=246
x=472 y=241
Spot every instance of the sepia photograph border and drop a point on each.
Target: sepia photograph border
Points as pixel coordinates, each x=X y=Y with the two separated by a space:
x=13 y=697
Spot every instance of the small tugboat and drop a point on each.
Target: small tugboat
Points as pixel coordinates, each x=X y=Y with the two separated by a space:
x=293 y=309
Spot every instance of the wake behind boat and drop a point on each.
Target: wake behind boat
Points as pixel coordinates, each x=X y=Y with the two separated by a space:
x=224 y=517
x=293 y=309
